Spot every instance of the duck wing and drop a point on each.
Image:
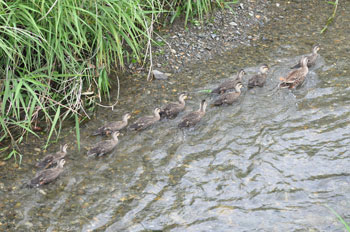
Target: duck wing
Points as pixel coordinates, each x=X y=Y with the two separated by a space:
x=143 y=122
x=109 y=128
x=45 y=177
x=227 y=98
x=191 y=119
x=46 y=161
x=102 y=148
x=171 y=110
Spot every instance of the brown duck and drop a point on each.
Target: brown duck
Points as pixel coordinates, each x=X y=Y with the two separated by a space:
x=104 y=146
x=146 y=121
x=113 y=126
x=172 y=109
x=48 y=175
x=53 y=158
x=230 y=84
x=311 y=58
x=296 y=77
x=260 y=78
x=229 y=98
x=193 y=118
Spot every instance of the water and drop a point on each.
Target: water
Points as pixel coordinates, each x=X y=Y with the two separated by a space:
x=271 y=162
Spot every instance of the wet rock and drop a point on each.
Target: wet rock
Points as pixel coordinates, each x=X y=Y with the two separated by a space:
x=159 y=75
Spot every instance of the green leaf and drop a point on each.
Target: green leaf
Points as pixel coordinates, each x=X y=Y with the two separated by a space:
x=53 y=126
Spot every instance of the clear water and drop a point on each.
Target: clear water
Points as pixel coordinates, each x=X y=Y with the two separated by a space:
x=271 y=162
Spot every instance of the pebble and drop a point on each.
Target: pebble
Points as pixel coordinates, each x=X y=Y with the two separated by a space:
x=233 y=24
x=159 y=75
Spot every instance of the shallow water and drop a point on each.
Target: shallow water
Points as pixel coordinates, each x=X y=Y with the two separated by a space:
x=271 y=162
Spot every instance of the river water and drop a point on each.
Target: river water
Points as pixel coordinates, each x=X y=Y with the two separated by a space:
x=273 y=161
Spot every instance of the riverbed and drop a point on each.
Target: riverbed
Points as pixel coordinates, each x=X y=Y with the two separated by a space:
x=273 y=161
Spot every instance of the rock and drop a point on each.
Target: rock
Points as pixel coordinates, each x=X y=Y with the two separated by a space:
x=233 y=24
x=159 y=75
x=213 y=36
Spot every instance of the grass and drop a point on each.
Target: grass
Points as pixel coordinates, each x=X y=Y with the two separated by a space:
x=55 y=57
x=346 y=225
x=331 y=18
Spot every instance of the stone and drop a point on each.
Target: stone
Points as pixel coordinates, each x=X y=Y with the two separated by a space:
x=159 y=75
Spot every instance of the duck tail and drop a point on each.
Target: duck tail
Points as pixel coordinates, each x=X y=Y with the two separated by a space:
x=218 y=102
x=251 y=85
x=41 y=164
x=217 y=90
x=134 y=127
x=99 y=131
x=182 y=124
x=162 y=114
x=295 y=66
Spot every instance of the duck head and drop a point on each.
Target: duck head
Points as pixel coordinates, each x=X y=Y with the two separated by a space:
x=315 y=49
x=264 y=68
x=126 y=117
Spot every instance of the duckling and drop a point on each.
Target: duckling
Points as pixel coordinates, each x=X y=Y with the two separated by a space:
x=296 y=77
x=146 y=121
x=193 y=118
x=230 y=97
x=53 y=158
x=260 y=78
x=48 y=175
x=311 y=57
x=230 y=84
x=114 y=126
x=104 y=146
x=172 y=109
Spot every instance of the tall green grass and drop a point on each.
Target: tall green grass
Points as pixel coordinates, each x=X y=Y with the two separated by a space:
x=55 y=57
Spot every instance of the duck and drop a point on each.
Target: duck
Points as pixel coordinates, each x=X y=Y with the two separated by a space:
x=114 y=126
x=146 y=121
x=193 y=118
x=47 y=175
x=172 y=109
x=52 y=158
x=105 y=146
x=311 y=58
x=230 y=84
x=296 y=77
x=260 y=78
x=230 y=97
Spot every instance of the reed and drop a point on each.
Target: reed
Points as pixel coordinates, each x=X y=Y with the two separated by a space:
x=55 y=57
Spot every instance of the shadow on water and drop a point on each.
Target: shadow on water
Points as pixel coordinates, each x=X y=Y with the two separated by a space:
x=269 y=162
